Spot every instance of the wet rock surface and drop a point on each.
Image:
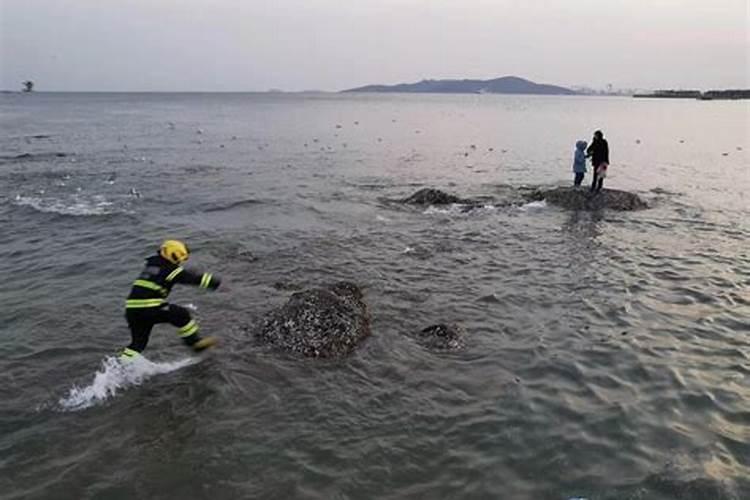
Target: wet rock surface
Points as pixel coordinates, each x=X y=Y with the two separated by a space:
x=326 y=322
x=442 y=337
x=430 y=196
x=583 y=199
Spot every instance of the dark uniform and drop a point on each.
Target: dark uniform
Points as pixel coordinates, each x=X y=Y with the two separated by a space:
x=147 y=305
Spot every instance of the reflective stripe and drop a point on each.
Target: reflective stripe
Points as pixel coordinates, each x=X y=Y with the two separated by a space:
x=205 y=280
x=141 y=303
x=128 y=354
x=189 y=329
x=174 y=274
x=151 y=286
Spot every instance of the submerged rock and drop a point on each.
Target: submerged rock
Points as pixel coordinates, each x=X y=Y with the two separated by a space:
x=430 y=196
x=583 y=199
x=442 y=337
x=322 y=322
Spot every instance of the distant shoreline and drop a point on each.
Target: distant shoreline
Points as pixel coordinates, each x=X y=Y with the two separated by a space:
x=709 y=95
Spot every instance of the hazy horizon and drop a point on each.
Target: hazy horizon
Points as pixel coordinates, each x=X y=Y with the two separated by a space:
x=325 y=45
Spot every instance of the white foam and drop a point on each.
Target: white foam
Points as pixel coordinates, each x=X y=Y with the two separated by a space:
x=77 y=205
x=115 y=376
x=533 y=205
x=459 y=209
x=454 y=208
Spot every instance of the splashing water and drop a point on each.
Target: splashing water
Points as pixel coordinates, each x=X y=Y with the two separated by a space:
x=533 y=205
x=114 y=376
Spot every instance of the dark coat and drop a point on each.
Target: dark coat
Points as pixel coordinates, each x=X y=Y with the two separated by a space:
x=598 y=151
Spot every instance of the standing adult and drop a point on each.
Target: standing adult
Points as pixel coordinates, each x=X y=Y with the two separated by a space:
x=599 y=153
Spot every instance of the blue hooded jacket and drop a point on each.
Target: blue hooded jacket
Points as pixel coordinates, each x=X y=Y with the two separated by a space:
x=579 y=159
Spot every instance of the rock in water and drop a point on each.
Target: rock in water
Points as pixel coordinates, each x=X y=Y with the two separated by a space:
x=442 y=337
x=583 y=199
x=429 y=196
x=322 y=322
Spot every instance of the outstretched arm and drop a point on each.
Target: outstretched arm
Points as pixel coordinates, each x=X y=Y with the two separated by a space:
x=192 y=277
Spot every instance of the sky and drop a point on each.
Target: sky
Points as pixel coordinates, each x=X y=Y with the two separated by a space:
x=293 y=45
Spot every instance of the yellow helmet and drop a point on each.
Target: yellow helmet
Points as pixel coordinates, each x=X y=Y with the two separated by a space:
x=174 y=251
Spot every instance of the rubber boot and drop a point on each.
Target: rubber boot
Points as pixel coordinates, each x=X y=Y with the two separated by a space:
x=204 y=343
x=128 y=355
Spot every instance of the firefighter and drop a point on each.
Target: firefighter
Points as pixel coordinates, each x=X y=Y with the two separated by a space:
x=147 y=303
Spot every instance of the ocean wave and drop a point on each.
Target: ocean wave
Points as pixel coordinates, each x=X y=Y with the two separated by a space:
x=115 y=376
x=231 y=205
x=76 y=205
x=662 y=191
x=33 y=157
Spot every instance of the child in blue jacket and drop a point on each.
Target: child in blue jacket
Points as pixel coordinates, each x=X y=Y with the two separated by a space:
x=579 y=163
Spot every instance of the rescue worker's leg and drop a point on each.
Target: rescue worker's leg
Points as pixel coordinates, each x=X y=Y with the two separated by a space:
x=140 y=322
x=188 y=328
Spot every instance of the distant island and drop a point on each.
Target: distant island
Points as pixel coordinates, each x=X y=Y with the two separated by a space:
x=503 y=85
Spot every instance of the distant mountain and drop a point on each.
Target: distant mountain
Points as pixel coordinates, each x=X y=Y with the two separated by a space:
x=503 y=85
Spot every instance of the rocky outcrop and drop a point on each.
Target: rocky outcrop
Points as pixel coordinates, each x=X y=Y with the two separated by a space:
x=430 y=196
x=443 y=337
x=324 y=322
x=582 y=199
x=566 y=197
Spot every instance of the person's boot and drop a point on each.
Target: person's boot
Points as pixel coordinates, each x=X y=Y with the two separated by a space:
x=204 y=343
x=128 y=355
